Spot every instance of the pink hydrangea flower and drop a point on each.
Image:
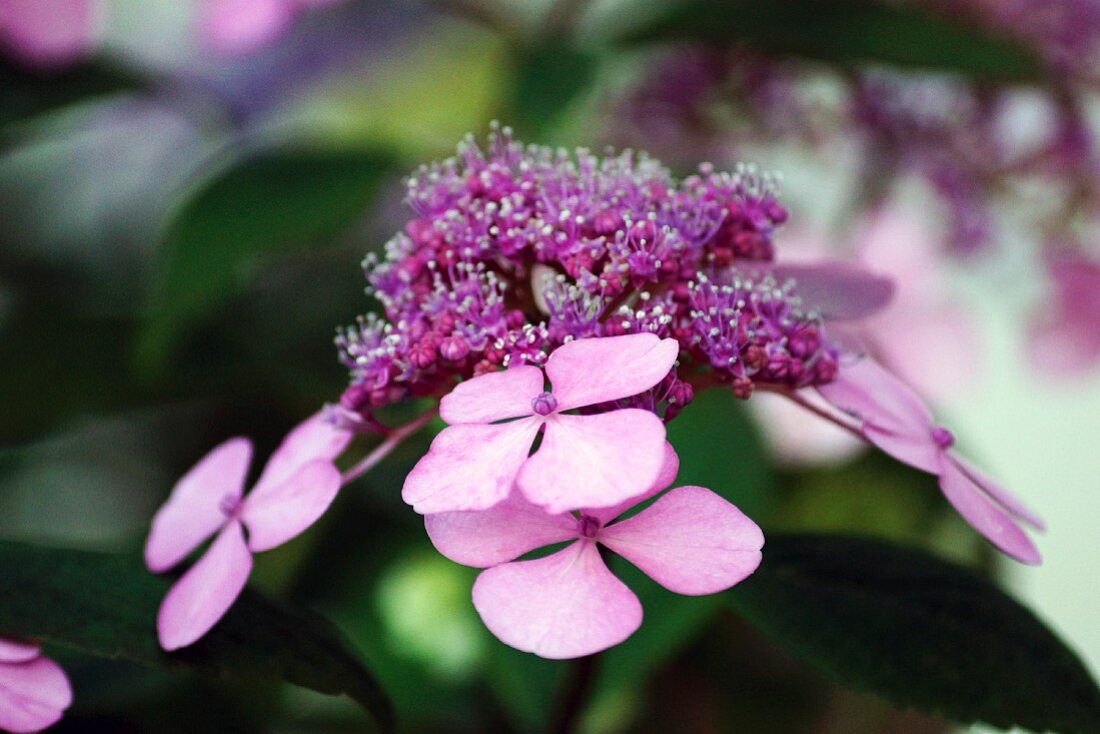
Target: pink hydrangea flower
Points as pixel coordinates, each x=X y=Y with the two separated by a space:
x=34 y=690
x=593 y=460
x=244 y=26
x=297 y=485
x=569 y=604
x=1063 y=338
x=48 y=33
x=894 y=418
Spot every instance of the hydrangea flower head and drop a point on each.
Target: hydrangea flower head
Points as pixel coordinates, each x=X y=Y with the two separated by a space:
x=514 y=250
x=297 y=485
x=569 y=604
x=893 y=417
x=595 y=459
x=34 y=690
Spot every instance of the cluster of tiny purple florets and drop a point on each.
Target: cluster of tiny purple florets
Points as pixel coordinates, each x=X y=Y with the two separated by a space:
x=515 y=250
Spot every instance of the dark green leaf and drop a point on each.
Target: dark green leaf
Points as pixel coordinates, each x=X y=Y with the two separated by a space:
x=105 y=605
x=272 y=203
x=547 y=78
x=720 y=449
x=845 y=31
x=918 y=631
x=26 y=92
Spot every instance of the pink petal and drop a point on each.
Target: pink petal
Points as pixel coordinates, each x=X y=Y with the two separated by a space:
x=204 y=594
x=838 y=290
x=999 y=495
x=507 y=530
x=594 y=460
x=470 y=466
x=12 y=651
x=493 y=396
x=48 y=32
x=588 y=371
x=690 y=541
x=984 y=516
x=565 y=605
x=194 y=510
x=282 y=511
x=312 y=439
x=916 y=451
x=665 y=477
x=32 y=695
x=243 y=26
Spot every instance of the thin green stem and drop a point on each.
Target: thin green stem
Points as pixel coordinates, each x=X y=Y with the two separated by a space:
x=575 y=693
x=393 y=440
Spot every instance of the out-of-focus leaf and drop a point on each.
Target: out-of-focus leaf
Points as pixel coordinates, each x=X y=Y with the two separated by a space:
x=269 y=203
x=720 y=449
x=918 y=631
x=106 y=604
x=26 y=92
x=845 y=31
x=548 y=77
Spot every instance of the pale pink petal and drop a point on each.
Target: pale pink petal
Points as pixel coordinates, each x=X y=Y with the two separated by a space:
x=507 y=530
x=48 y=32
x=868 y=391
x=243 y=26
x=285 y=510
x=565 y=605
x=588 y=371
x=594 y=460
x=12 y=651
x=837 y=290
x=195 y=509
x=984 y=516
x=470 y=466
x=312 y=439
x=493 y=396
x=690 y=541
x=667 y=475
x=999 y=495
x=916 y=451
x=204 y=594
x=32 y=695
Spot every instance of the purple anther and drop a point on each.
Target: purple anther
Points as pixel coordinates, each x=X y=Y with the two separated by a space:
x=588 y=526
x=544 y=404
x=943 y=437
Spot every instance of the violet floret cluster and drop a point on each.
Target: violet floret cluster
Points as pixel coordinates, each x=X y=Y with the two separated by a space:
x=515 y=250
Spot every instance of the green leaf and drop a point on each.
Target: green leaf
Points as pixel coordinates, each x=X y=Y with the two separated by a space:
x=720 y=448
x=26 y=92
x=918 y=631
x=272 y=203
x=548 y=77
x=106 y=605
x=846 y=31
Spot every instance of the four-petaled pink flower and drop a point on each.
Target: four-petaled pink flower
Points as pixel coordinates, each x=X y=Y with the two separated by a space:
x=34 y=690
x=896 y=420
x=568 y=604
x=593 y=460
x=294 y=490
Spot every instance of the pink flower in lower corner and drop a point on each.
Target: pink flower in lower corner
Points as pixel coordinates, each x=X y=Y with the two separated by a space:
x=569 y=604
x=34 y=690
x=894 y=418
x=584 y=461
x=297 y=485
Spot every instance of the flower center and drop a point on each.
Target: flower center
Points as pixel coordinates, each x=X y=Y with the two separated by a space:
x=544 y=404
x=588 y=526
x=943 y=437
x=230 y=505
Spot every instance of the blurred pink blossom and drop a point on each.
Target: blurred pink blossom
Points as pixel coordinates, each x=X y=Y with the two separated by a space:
x=568 y=604
x=34 y=690
x=296 y=487
x=49 y=33
x=1064 y=335
x=242 y=26
x=892 y=417
x=593 y=460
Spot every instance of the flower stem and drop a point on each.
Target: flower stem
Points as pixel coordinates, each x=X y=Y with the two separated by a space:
x=575 y=693
x=393 y=440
